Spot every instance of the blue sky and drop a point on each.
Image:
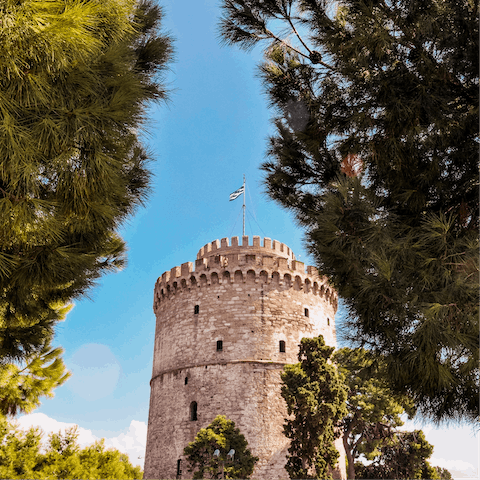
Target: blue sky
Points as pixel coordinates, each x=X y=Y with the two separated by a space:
x=213 y=131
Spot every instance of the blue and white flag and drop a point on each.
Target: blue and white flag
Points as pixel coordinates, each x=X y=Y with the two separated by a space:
x=237 y=193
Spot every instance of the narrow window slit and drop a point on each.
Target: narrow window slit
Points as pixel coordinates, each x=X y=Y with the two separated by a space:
x=193 y=411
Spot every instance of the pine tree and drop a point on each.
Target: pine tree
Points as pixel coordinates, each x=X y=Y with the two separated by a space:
x=22 y=385
x=75 y=77
x=375 y=152
x=315 y=397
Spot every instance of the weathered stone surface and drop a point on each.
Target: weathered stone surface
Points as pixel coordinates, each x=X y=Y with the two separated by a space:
x=250 y=298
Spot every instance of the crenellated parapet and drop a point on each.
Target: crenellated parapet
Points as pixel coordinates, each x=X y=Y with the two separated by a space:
x=226 y=247
x=228 y=263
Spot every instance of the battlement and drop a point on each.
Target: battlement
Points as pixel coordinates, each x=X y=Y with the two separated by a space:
x=219 y=262
x=224 y=246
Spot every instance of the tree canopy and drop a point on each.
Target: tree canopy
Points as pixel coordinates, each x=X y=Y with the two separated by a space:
x=315 y=396
x=75 y=78
x=376 y=153
x=443 y=473
x=403 y=456
x=21 y=456
x=221 y=436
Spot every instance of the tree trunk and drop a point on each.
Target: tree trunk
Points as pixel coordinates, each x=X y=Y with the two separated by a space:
x=351 y=460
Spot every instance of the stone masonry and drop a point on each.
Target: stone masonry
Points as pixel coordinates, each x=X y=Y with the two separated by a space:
x=220 y=331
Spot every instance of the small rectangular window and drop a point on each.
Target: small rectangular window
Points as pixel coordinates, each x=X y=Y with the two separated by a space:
x=219 y=345
x=193 y=412
x=179 y=467
x=307 y=313
x=196 y=309
x=282 y=346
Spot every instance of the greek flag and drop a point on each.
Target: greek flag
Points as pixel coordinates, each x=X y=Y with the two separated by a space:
x=237 y=193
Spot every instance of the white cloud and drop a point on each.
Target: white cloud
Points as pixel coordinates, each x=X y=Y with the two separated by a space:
x=132 y=441
x=49 y=425
x=456 y=447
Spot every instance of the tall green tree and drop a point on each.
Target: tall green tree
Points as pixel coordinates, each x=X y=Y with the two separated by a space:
x=221 y=435
x=315 y=397
x=373 y=410
x=75 y=79
x=376 y=153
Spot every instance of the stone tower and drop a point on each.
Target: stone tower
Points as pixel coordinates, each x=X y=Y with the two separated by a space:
x=224 y=331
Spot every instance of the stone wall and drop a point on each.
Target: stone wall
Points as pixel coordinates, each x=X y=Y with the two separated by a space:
x=250 y=298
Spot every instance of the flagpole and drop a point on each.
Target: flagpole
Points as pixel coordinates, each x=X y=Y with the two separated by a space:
x=243 y=205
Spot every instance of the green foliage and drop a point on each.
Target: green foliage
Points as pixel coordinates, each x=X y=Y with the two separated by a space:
x=61 y=458
x=315 y=397
x=443 y=473
x=221 y=434
x=20 y=457
x=373 y=409
x=22 y=386
x=19 y=451
x=376 y=153
x=404 y=456
x=106 y=463
x=75 y=78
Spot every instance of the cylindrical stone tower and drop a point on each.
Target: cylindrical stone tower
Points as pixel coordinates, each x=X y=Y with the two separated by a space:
x=224 y=331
